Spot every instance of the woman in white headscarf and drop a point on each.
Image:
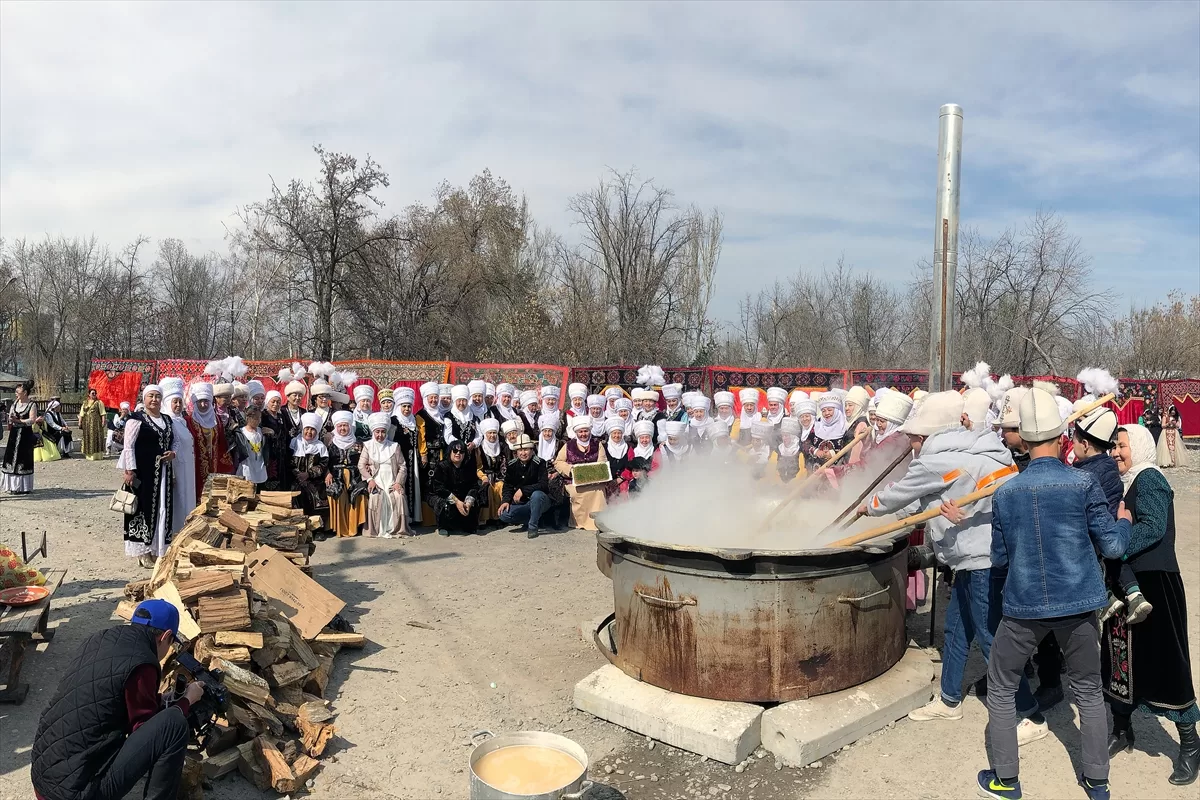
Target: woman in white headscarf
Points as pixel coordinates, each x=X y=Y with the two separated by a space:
x=584 y=449
x=620 y=455
x=382 y=466
x=477 y=402
x=698 y=419
x=547 y=438
x=346 y=487
x=740 y=433
x=460 y=424
x=642 y=453
x=183 y=498
x=490 y=463
x=404 y=430
x=310 y=466
x=758 y=454
x=148 y=459
x=577 y=401
x=830 y=428
x=1155 y=668
x=676 y=444
x=208 y=436
x=724 y=402
x=788 y=455
x=531 y=412
x=503 y=409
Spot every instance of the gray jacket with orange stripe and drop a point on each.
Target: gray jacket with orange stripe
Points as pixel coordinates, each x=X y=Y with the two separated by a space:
x=952 y=463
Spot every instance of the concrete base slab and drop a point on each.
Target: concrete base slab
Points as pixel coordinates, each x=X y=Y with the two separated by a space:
x=803 y=731
x=723 y=731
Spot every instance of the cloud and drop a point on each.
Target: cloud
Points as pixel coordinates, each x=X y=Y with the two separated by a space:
x=811 y=126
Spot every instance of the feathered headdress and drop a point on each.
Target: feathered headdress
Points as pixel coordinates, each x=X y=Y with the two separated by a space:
x=226 y=369
x=1098 y=382
x=341 y=380
x=997 y=389
x=321 y=369
x=1047 y=386
x=651 y=376
x=979 y=377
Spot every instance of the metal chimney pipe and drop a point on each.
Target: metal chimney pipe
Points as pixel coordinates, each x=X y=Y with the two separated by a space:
x=945 y=247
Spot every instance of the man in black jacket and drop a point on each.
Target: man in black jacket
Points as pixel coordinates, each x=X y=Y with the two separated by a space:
x=525 y=497
x=455 y=489
x=106 y=727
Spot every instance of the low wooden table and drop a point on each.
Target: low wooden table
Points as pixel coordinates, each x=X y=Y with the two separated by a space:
x=22 y=627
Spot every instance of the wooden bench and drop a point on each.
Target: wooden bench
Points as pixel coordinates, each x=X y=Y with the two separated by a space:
x=24 y=627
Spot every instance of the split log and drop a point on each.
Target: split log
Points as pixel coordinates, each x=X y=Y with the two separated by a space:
x=319 y=678
x=290 y=694
x=137 y=590
x=191 y=781
x=353 y=640
x=284 y=499
x=225 y=612
x=164 y=570
x=204 y=581
x=300 y=651
x=125 y=609
x=316 y=728
x=248 y=766
x=246 y=719
x=280 y=537
x=224 y=762
x=250 y=638
x=205 y=555
x=274 y=766
x=243 y=682
x=205 y=651
x=222 y=736
x=235 y=522
x=273 y=724
x=286 y=673
x=305 y=769
x=290 y=750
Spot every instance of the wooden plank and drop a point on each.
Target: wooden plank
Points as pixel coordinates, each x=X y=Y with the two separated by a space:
x=243 y=682
x=188 y=628
x=251 y=639
x=222 y=763
x=274 y=765
x=225 y=612
x=204 y=581
x=244 y=718
x=273 y=723
x=223 y=735
x=286 y=673
x=353 y=640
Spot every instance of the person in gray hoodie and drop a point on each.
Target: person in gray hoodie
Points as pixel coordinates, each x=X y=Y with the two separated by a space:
x=950 y=461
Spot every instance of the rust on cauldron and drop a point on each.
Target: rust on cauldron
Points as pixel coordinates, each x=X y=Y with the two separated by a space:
x=755 y=629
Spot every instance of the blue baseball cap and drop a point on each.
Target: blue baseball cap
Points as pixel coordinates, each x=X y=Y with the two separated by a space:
x=157 y=614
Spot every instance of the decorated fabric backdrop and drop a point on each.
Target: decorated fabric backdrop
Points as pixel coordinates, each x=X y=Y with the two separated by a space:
x=808 y=379
x=596 y=379
x=1185 y=396
x=113 y=388
x=904 y=380
x=522 y=376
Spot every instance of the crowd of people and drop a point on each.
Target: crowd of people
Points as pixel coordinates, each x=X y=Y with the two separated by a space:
x=1069 y=565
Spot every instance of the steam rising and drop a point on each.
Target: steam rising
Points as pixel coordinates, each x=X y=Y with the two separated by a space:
x=712 y=501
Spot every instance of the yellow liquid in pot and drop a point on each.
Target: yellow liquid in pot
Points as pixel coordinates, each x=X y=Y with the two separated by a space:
x=528 y=769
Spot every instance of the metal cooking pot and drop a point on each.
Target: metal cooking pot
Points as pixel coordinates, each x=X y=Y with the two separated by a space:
x=484 y=791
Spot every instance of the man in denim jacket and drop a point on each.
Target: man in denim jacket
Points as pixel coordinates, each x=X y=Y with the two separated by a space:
x=949 y=462
x=1047 y=524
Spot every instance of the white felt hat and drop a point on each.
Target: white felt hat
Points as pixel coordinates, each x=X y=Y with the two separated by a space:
x=1039 y=417
x=940 y=411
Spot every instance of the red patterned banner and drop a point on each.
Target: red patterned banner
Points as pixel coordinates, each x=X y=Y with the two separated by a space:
x=114 y=388
x=1185 y=396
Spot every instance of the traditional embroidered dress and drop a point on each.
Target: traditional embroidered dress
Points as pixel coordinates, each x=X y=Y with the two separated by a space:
x=406 y=432
x=591 y=499
x=273 y=428
x=183 y=493
x=147 y=438
x=254 y=453
x=490 y=464
x=17 y=466
x=310 y=465
x=208 y=433
x=348 y=508
x=92 y=424
x=384 y=463
x=431 y=448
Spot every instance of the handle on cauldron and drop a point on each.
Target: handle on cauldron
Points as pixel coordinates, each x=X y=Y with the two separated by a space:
x=663 y=602
x=884 y=590
x=604 y=651
x=484 y=734
x=583 y=787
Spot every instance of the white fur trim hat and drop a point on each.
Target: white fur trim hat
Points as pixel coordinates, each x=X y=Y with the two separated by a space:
x=940 y=411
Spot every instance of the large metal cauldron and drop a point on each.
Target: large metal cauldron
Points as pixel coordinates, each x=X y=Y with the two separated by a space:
x=749 y=625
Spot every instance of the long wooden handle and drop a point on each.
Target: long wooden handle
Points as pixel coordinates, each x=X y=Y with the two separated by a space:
x=1090 y=407
x=915 y=519
x=800 y=486
x=870 y=488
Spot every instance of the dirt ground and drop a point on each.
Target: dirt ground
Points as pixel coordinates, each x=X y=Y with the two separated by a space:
x=504 y=654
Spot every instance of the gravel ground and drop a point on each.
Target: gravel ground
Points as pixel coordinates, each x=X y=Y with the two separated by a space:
x=503 y=654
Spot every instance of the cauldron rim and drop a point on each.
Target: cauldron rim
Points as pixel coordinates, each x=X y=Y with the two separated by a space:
x=606 y=535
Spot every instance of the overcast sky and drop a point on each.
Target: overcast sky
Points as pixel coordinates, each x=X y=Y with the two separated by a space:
x=812 y=127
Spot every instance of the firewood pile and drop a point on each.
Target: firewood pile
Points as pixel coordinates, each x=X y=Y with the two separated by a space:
x=239 y=574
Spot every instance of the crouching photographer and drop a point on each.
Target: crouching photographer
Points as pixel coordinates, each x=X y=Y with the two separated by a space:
x=107 y=726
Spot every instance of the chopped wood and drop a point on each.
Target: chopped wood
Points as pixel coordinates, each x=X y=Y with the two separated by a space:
x=137 y=590
x=164 y=570
x=281 y=537
x=125 y=609
x=290 y=750
x=315 y=727
x=319 y=678
x=205 y=555
x=249 y=767
x=274 y=765
x=325 y=648
x=290 y=694
x=187 y=623
x=314 y=522
x=235 y=522
x=205 y=650
x=222 y=736
x=250 y=638
x=243 y=682
x=243 y=544
x=354 y=640
x=286 y=673
x=278 y=498
x=204 y=581
x=305 y=769
x=273 y=723
x=246 y=719
x=300 y=651
x=225 y=612
x=222 y=763
x=191 y=780
x=268 y=654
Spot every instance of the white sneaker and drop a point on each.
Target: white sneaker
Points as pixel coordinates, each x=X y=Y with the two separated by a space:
x=936 y=709
x=1030 y=731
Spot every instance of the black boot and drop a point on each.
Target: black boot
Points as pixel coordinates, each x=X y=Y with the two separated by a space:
x=1189 y=755
x=1121 y=739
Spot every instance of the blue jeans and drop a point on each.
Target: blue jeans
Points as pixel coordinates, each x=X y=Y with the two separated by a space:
x=528 y=513
x=974 y=615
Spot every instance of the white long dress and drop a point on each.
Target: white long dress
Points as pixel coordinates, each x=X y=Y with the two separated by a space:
x=127 y=461
x=183 y=498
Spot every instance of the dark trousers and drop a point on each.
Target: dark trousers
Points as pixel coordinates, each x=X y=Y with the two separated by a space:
x=448 y=518
x=157 y=747
x=1049 y=663
x=1015 y=641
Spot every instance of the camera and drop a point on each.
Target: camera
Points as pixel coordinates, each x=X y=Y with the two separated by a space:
x=212 y=704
